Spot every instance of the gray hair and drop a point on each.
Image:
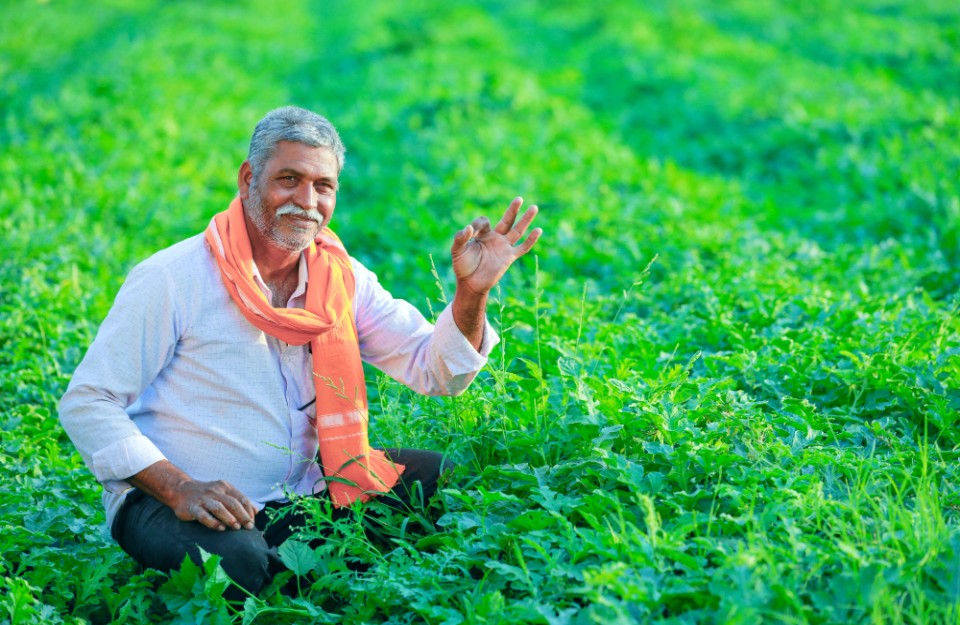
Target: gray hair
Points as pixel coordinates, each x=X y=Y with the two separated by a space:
x=292 y=123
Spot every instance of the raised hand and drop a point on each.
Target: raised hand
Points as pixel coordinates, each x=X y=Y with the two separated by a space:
x=481 y=254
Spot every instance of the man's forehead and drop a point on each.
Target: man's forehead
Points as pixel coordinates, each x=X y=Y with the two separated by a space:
x=294 y=155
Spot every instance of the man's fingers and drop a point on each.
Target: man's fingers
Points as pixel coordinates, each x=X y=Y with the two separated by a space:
x=244 y=509
x=221 y=511
x=232 y=511
x=217 y=505
x=505 y=227
x=226 y=505
x=251 y=510
x=527 y=245
x=466 y=234
x=517 y=231
x=481 y=226
x=506 y=222
x=240 y=513
x=460 y=239
x=208 y=520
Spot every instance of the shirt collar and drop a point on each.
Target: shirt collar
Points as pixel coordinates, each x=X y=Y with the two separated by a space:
x=301 y=280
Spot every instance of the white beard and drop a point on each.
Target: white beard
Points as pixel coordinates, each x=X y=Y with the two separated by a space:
x=269 y=227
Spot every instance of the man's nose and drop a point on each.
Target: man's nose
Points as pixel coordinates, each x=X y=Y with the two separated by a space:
x=306 y=197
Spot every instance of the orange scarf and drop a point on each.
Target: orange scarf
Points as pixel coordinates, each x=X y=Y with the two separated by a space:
x=353 y=470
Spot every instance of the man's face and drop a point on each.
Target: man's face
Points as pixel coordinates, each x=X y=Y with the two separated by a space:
x=293 y=198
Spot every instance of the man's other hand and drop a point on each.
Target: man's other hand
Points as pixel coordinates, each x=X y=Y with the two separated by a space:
x=217 y=505
x=481 y=254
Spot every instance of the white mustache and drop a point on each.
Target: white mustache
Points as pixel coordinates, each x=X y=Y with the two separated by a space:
x=293 y=209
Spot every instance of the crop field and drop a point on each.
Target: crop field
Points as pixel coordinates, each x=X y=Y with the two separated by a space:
x=729 y=384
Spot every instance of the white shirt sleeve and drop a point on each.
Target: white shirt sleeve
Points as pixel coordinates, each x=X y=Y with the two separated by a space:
x=398 y=340
x=135 y=341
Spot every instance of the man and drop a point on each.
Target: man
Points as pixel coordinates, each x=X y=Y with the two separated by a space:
x=230 y=359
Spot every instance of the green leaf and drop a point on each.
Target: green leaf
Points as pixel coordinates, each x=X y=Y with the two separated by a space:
x=298 y=557
x=569 y=366
x=176 y=591
x=251 y=610
x=19 y=600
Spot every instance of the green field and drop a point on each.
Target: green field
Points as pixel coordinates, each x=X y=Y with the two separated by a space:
x=729 y=384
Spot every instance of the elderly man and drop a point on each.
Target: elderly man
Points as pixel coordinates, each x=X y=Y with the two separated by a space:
x=231 y=361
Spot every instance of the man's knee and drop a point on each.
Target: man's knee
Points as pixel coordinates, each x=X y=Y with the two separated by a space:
x=150 y=532
x=244 y=556
x=248 y=560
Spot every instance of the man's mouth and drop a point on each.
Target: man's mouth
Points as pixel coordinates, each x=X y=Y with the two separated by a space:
x=303 y=225
x=303 y=218
x=300 y=218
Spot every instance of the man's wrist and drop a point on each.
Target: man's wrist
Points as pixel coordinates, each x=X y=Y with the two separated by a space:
x=469 y=313
x=470 y=299
x=162 y=480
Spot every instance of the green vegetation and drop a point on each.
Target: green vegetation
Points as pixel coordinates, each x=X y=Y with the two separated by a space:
x=729 y=387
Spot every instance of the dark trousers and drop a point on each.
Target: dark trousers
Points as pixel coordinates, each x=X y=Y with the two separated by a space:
x=151 y=534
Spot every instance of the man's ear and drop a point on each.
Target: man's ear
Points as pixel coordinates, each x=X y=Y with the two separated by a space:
x=244 y=178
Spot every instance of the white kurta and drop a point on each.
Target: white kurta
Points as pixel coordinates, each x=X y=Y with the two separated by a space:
x=176 y=372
